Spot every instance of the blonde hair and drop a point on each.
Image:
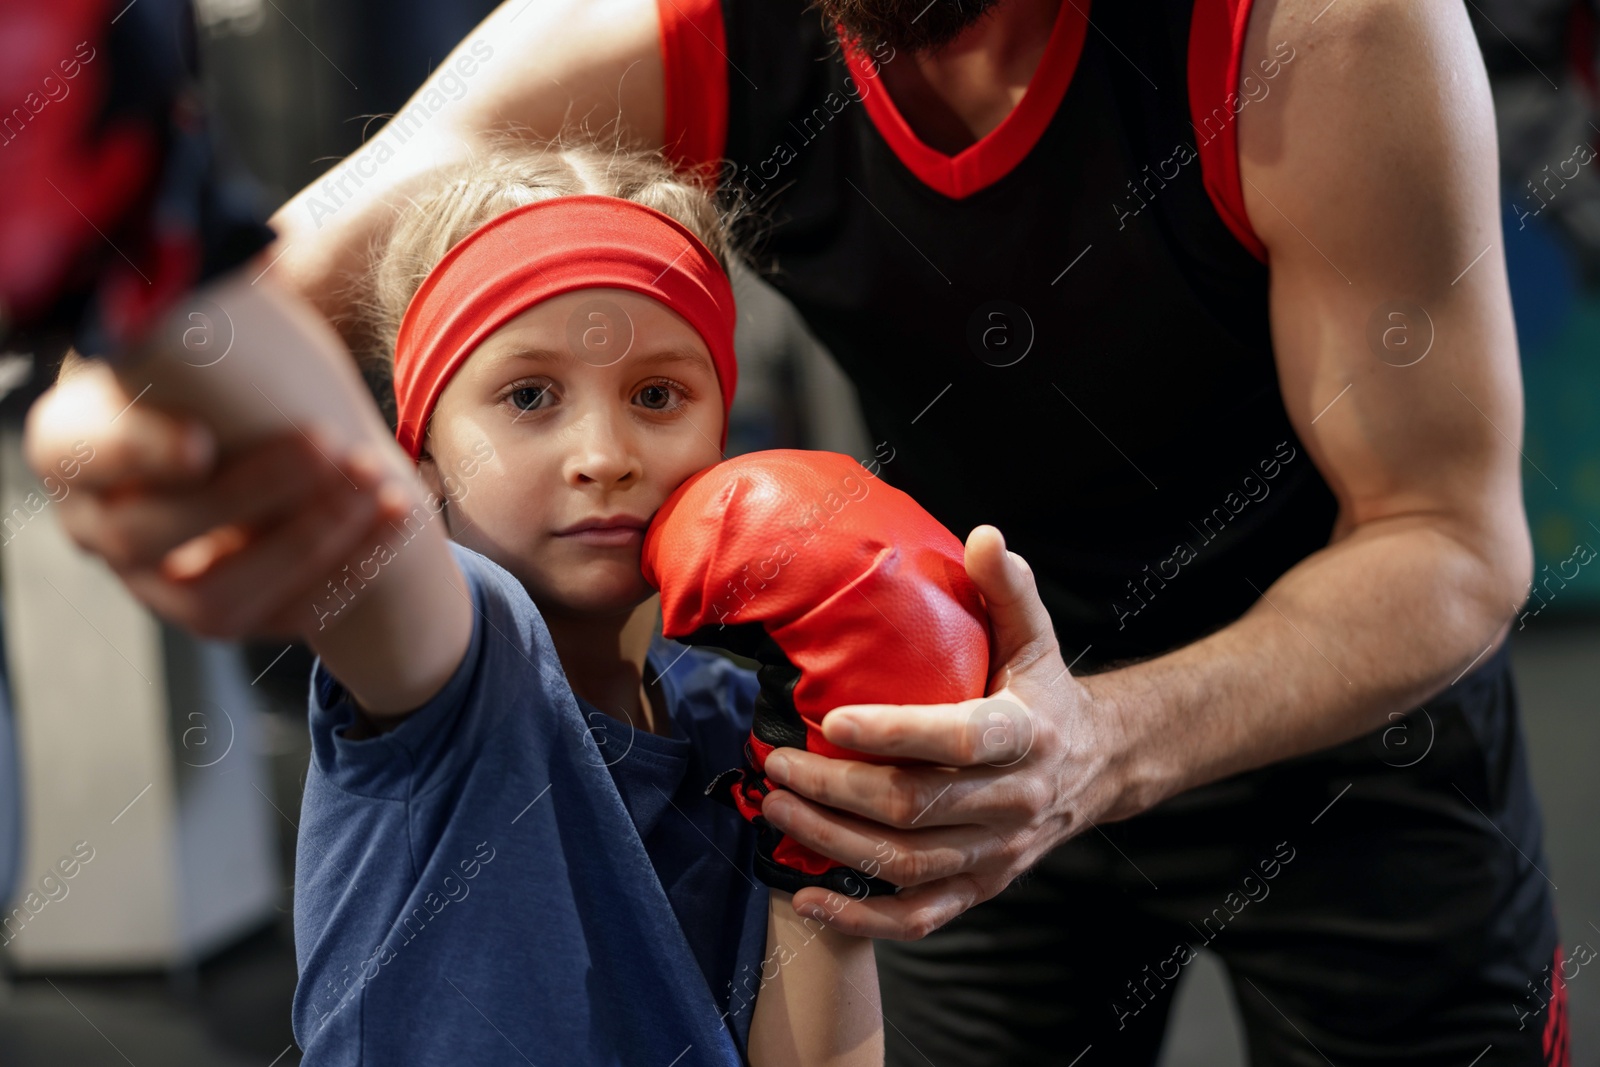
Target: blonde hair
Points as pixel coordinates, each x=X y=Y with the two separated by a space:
x=462 y=197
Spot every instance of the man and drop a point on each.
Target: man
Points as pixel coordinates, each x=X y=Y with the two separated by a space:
x=1202 y=304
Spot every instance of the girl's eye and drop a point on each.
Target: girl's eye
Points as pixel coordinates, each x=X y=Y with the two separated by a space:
x=658 y=396
x=527 y=397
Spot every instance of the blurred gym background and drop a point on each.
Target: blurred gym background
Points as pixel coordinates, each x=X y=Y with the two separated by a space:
x=196 y=964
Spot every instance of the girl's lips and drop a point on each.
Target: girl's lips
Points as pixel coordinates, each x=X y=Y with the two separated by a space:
x=620 y=530
x=606 y=536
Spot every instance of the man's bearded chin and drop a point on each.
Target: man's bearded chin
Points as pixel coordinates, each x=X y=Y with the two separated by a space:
x=877 y=26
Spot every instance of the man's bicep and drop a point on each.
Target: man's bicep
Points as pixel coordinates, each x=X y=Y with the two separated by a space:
x=1371 y=178
x=532 y=70
x=562 y=65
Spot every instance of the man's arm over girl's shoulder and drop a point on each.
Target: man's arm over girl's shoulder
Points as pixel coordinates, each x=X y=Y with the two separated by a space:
x=529 y=71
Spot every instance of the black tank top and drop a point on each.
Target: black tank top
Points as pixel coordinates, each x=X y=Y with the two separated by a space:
x=1060 y=331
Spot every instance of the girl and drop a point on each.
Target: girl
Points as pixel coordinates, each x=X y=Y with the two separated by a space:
x=505 y=853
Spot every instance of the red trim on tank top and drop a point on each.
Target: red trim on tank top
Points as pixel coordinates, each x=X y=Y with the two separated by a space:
x=996 y=153
x=694 y=63
x=1216 y=51
x=695 y=106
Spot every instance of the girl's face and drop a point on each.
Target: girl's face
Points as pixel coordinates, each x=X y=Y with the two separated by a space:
x=590 y=407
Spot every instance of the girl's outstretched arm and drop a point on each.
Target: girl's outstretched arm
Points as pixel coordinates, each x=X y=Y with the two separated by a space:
x=818 y=1003
x=393 y=618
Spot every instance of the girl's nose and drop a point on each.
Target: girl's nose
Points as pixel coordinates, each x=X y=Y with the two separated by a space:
x=603 y=452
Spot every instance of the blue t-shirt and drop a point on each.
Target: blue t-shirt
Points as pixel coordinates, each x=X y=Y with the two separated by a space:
x=511 y=876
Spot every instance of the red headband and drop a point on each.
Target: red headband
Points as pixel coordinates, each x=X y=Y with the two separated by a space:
x=541 y=250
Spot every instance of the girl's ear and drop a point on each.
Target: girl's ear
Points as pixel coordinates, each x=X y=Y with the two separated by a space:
x=430 y=472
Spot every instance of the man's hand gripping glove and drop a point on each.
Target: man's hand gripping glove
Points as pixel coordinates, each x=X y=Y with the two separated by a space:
x=845 y=591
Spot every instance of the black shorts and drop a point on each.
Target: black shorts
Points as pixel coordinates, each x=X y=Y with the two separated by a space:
x=1382 y=902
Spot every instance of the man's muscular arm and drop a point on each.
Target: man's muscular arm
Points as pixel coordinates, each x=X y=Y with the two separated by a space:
x=1370 y=175
x=538 y=69
x=1372 y=182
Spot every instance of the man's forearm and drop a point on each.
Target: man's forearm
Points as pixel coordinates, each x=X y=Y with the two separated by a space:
x=528 y=72
x=1368 y=627
x=325 y=232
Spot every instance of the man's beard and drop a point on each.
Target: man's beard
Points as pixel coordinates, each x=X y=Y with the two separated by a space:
x=877 y=26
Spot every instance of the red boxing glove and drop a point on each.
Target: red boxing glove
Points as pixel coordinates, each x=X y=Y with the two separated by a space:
x=845 y=591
